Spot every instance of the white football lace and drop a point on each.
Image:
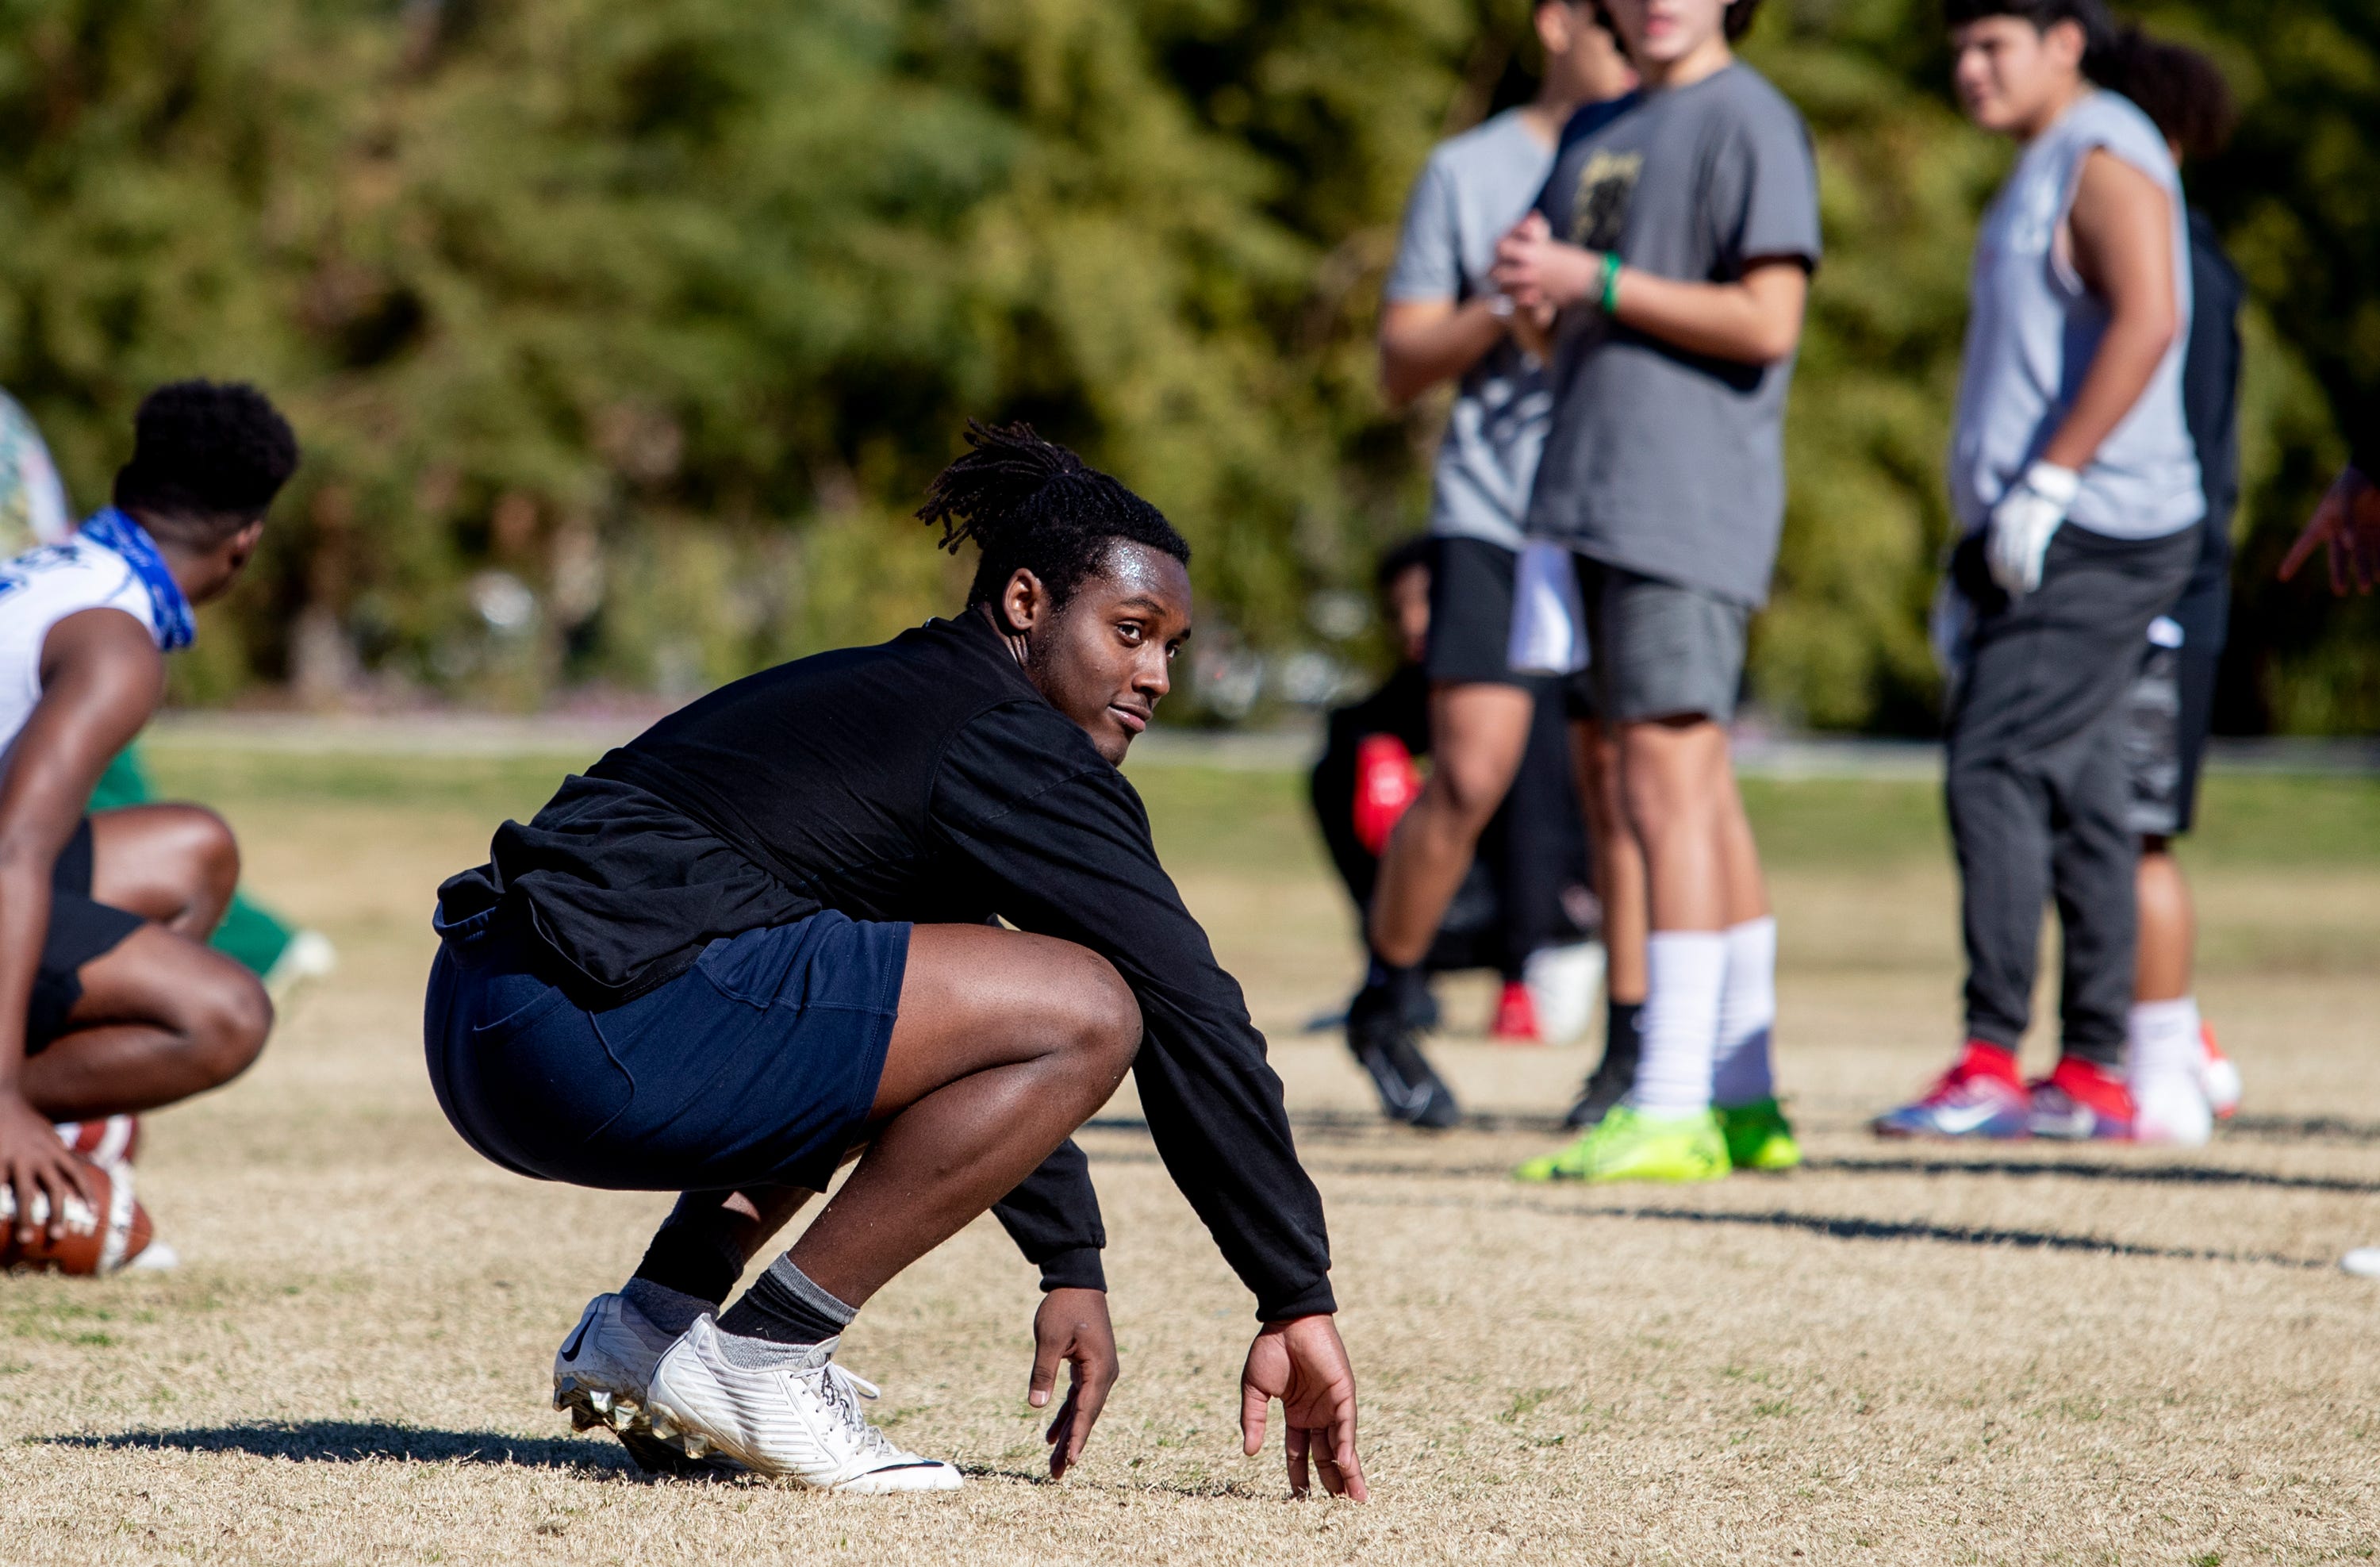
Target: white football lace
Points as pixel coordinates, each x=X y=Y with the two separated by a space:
x=843 y=1392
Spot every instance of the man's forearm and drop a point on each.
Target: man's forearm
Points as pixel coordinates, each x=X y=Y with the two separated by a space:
x=1420 y=347
x=1721 y=320
x=2121 y=372
x=24 y=922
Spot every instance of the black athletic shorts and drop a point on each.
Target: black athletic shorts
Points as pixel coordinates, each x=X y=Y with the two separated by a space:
x=81 y=929
x=1471 y=621
x=2167 y=716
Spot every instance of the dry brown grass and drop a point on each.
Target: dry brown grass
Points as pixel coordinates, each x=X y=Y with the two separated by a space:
x=1895 y=1356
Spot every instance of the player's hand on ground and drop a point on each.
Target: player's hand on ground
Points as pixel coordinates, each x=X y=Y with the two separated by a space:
x=1071 y=1326
x=33 y=1163
x=1302 y=1363
x=1539 y=271
x=2347 y=526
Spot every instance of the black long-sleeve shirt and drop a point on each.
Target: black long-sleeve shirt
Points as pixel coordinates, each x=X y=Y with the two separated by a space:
x=924 y=780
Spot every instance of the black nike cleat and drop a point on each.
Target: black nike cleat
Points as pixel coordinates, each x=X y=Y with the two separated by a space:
x=1383 y=1045
x=1610 y=1083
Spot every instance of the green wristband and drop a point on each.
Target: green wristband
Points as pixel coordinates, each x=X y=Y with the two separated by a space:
x=1610 y=283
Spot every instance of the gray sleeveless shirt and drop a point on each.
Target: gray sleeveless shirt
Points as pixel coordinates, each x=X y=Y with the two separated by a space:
x=2034 y=328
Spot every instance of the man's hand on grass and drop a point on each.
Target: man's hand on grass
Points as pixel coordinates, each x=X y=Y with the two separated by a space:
x=1071 y=1326
x=2346 y=526
x=1302 y=1363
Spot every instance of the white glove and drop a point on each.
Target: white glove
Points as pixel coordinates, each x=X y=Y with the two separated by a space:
x=2022 y=523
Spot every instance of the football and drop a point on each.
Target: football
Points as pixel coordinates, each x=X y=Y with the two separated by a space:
x=99 y=1237
x=109 y=1141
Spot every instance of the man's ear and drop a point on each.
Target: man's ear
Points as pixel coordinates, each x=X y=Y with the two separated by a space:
x=1024 y=603
x=2067 y=40
x=1553 y=24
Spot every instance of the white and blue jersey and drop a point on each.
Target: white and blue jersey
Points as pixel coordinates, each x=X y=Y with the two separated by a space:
x=40 y=588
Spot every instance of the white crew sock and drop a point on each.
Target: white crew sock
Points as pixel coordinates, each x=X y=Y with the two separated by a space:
x=1742 y=1072
x=2164 y=1052
x=1680 y=1024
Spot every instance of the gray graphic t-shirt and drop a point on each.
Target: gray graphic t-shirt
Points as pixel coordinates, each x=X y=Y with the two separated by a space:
x=1666 y=463
x=1476 y=187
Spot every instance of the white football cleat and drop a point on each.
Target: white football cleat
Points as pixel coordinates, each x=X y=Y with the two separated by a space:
x=600 y=1374
x=2363 y=1262
x=800 y=1419
x=2171 y=1109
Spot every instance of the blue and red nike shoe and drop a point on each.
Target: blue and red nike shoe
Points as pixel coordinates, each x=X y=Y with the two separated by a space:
x=1981 y=1096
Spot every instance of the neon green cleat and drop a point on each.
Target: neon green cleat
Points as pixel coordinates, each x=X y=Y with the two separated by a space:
x=1628 y=1145
x=1759 y=1136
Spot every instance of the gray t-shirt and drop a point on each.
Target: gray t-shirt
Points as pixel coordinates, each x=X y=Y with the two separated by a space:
x=2035 y=327
x=1662 y=462
x=1476 y=187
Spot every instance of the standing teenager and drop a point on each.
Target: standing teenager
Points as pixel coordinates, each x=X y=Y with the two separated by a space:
x=2168 y=1046
x=1677 y=241
x=1445 y=320
x=2074 y=473
x=764 y=935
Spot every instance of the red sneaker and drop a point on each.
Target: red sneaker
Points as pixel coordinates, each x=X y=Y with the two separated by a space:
x=2079 y=1102
x=1516 y=1016
x=1979 y=1096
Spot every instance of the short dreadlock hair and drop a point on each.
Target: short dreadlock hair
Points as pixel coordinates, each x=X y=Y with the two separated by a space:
x=207 y=459
x=1032 y=505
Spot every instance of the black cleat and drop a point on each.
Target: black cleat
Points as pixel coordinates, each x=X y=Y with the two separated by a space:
x=1610 y=1083
x=1383 y=1043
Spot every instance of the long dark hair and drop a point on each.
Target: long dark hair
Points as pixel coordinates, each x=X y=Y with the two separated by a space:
x=1032 y=505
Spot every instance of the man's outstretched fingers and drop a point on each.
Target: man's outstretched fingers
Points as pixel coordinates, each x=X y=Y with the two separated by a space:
x=1294 y=1440
x=1343 y=1465
x=1046 y=1355
x=1256 y=1405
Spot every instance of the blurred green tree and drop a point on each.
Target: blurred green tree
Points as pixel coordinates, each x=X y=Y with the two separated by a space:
x=621 y=337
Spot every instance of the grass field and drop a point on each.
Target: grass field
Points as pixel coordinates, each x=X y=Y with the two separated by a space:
x=1894 y=1355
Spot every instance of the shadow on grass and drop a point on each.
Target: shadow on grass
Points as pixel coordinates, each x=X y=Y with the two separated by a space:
x=1850 y=1228
x=2148 y=1175
x=366 y=1442
x=1343 y=1127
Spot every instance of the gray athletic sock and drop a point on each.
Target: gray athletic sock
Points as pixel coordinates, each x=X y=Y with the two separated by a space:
x=672 y=1311
x=784 y=1306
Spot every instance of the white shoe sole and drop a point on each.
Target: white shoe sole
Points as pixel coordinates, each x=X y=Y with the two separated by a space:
x=685 y=1437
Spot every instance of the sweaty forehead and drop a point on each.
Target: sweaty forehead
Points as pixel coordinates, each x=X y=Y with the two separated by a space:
x=1136 y=571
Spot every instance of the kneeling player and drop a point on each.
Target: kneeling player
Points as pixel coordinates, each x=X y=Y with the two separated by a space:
x=762 y=935
x=110 y=1000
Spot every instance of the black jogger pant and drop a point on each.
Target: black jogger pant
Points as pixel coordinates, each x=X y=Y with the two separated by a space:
x=2036 y=786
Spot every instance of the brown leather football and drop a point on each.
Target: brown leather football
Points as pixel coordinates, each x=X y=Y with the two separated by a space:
x=98 y=1237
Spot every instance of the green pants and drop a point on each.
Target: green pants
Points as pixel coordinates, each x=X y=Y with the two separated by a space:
x=248 y=932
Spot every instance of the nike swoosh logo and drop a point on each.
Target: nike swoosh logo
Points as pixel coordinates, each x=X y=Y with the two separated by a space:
x=571 y=1352
x=1959 y=1120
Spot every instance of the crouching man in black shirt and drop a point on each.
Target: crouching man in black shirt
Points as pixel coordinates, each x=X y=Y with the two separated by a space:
x=759 y=936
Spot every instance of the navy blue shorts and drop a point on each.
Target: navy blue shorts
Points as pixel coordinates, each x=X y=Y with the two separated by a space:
x=81 y=929
x=756 y=1065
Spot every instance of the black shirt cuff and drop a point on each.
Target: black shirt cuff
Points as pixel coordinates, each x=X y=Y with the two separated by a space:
x=1077 y=1270
x=1315 y=1300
